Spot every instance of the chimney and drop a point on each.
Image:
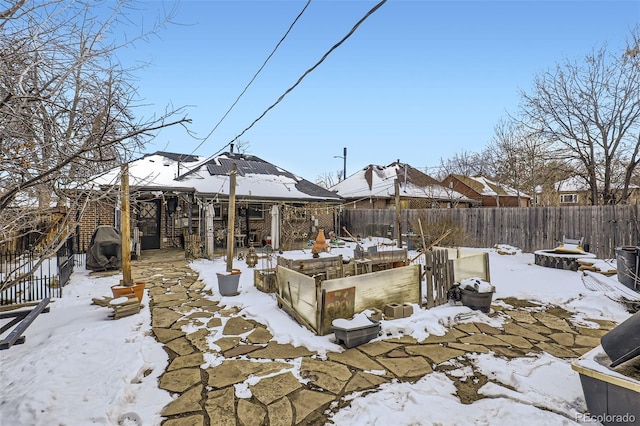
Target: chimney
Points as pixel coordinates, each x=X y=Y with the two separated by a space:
x=231 y=149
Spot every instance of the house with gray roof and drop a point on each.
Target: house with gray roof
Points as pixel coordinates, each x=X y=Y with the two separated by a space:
x=175 y=195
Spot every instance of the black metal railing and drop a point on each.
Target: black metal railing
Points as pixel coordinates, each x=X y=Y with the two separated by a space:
x=30 y=290
x=66 y=262
x=30 y=278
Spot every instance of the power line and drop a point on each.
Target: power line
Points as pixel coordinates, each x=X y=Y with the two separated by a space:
x=253 y=78
x=307 y=72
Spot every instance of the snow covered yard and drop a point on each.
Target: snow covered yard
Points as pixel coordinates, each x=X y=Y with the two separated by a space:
x=78 y=367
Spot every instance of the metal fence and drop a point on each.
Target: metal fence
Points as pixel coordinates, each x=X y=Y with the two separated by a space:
x=41 y=277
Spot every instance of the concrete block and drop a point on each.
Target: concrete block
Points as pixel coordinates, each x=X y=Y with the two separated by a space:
x=393 y=310
x=407 y=310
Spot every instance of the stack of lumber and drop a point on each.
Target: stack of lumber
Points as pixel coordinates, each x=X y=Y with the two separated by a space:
x=585 y=265
x=122 y=306
x=104 y=301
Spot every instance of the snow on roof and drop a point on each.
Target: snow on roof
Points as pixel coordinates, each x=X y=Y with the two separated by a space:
x=579 y=184
x=256 y=178
x=157 y=170
x=574 y=183
x=378 y=181
x=488 y=187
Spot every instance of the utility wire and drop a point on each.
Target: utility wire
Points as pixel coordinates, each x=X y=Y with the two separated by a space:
x=254 y=76
x=307 y=72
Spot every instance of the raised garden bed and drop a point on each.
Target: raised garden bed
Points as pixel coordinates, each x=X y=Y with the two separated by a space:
x=315 y=300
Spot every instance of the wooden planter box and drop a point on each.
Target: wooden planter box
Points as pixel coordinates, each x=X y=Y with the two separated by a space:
x=383 y=259
x=315 y=302
x=326 y=267
x=265 y=280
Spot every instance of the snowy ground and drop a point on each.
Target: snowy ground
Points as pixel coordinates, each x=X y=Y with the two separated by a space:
x=77 y=367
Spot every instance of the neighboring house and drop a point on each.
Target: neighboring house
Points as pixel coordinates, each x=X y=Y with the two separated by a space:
x=174 y=195
x=574 y=191
x=487 y=192
x=374 y=187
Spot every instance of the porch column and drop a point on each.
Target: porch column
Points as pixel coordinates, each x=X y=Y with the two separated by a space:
x=275 y=227
x=209 y=213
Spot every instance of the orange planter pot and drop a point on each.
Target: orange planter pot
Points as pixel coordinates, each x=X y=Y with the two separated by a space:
x=122 y=290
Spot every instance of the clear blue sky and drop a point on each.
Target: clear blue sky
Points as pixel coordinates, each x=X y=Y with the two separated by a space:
x=418 y=81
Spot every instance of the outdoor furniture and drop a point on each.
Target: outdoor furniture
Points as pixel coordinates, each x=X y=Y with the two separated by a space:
x=240 y=239
x=253 y=237
x=576 y=241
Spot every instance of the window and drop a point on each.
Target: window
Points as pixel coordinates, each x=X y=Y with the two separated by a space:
x=569 y=198
x=255 y=211
x=219 y=211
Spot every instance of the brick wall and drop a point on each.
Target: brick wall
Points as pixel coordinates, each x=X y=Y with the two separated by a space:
x=97 y=213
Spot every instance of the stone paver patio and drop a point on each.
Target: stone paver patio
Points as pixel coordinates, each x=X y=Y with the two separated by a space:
x=245 y=352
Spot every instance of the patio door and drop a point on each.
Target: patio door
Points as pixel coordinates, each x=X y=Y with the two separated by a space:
x=149 y=224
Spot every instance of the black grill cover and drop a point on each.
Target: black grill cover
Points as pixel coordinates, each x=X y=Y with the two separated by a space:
x=104 y=249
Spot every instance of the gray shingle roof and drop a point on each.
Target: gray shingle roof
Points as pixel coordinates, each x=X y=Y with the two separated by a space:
x=222 y=165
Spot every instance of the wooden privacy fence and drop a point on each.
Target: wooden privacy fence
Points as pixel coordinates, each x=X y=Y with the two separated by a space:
x=604 y=228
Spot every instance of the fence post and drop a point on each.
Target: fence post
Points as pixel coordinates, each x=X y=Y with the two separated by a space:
x=428 y=270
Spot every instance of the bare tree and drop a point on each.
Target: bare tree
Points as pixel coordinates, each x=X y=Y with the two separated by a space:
x=67 y=108
x=518 y=157
x=590 y=112
x=241 y=147
x=466 y=163
x=327 y=180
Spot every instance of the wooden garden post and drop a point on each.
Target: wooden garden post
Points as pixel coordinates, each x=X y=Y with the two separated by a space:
x=232 y=217
x=398 y=213
x=126 y=227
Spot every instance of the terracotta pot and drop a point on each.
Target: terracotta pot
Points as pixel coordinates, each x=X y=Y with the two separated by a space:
x=122 y=290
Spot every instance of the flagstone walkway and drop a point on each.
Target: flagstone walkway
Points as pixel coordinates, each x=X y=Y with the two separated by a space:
x=245 y=351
